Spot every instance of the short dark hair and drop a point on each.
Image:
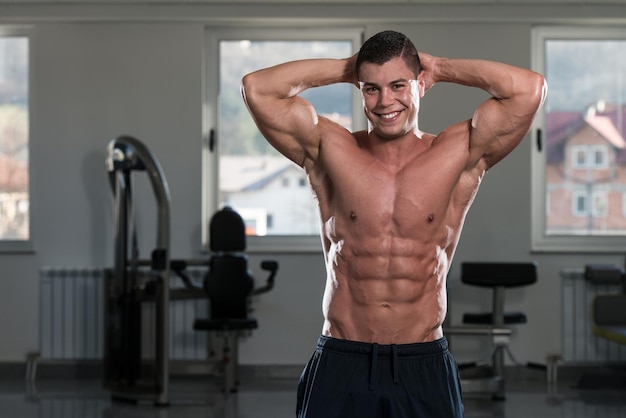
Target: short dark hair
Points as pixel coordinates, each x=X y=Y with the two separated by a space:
x=386 y=45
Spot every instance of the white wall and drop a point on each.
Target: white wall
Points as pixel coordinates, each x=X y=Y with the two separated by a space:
x=103 y=71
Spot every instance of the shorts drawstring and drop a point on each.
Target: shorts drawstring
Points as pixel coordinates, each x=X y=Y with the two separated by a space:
x=394 y=362
x=373 y=365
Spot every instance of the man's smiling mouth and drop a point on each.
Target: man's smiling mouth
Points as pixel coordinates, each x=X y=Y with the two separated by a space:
x=388 y=115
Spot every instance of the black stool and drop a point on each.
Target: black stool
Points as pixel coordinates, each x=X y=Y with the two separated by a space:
x=498 y=277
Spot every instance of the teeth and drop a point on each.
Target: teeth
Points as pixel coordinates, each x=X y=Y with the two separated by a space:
x=389 y=115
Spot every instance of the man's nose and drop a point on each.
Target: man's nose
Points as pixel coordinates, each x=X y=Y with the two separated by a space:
x=386 y=97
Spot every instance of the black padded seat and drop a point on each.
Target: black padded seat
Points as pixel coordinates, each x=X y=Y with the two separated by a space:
x=229 y=284
x=497 y=276
x=492 y=274
x=609 y=316
x=610 y=310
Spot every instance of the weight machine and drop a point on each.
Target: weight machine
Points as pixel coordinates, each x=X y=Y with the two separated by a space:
x=132 y=282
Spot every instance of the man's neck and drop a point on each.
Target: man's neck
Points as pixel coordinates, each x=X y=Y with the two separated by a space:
x=395 y=151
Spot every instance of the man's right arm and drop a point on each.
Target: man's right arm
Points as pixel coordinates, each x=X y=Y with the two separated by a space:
x=286 y=120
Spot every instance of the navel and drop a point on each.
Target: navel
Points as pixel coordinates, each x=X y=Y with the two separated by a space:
x=352 y=215
x=385 y=305
x=431 y=217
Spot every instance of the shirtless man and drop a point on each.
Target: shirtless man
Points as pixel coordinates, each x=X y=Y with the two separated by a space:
x=392 y=202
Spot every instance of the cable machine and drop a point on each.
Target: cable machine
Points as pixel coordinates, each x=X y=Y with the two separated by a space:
x=127 y=287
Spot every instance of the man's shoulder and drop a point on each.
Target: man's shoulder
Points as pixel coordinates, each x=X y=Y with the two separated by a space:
x=343 y=136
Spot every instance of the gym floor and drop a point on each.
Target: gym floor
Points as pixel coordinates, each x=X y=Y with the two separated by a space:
x=195 y=397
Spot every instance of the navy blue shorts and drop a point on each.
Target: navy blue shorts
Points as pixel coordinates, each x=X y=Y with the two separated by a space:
x=345 y=379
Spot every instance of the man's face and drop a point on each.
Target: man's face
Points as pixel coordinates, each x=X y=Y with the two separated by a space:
x=391 y=97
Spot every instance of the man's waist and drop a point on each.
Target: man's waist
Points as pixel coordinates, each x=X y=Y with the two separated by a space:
x=365 y=348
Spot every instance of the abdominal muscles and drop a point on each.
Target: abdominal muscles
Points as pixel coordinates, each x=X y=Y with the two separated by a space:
x=383 y=292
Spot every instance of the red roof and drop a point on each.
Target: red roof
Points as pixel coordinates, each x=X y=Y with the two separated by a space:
x=609 y=123
x=605 y=127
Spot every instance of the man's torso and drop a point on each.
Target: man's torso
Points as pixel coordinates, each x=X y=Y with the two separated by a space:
x=390 y=228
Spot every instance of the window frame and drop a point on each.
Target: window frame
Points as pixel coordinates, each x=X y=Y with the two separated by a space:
x=599 y=150
x=599 y=204
x=577 y=152
x=13 y=246
x=578 y=197
x=540 y=241
x=210 y=156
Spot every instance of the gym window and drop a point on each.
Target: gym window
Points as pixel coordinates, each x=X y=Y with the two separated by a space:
x=241 y=169
x=15 y=227
x=579 y=158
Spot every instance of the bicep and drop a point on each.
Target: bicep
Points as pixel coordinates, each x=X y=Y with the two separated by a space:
x=496 y=128
x=290 y=125
x=500 y=124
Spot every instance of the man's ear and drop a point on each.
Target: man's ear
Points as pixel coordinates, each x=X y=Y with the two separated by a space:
x=421 y=84
x=424 y=81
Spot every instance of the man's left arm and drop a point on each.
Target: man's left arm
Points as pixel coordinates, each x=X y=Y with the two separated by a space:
x=501 y=122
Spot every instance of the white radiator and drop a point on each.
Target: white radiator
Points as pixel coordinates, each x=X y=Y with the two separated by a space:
x=580 y=345
x=71 y=310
